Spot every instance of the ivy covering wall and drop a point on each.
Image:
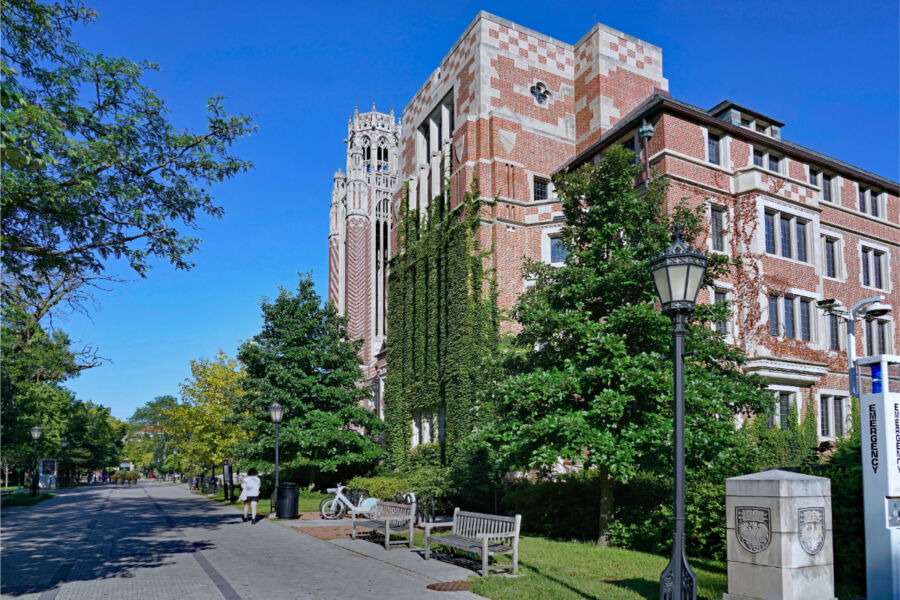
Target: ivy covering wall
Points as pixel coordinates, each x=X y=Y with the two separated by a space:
x=442 y=324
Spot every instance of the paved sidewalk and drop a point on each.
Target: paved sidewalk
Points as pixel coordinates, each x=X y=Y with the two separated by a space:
x=157 y=541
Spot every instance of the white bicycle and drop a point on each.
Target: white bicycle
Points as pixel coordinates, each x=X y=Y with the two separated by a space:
x=336 y=506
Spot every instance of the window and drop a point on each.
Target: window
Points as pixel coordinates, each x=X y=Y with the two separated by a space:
x=773 y=316
x=833 y=412
x=813 y=176
x=789 y=330
x=540 y=189
x=427 y=426
x=878 y=337
x=774 y=164
x=795 y=314
x=717 y=226
x=826 y=188
x=869 y=202
x=873 y=267
x=782 y=416
x=721 y=324
x=558 y=251
x=629 y=144
x=834 y=328
x=712 y=148
x=758 y=158
x=770 y=233
x=745 y=123
x=790 y=237
x=831 y=258
x=760 y=128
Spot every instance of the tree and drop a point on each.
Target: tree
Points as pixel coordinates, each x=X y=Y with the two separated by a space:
x=588 y=378
x=302 y=359
x=199 y=426
x=93 y=168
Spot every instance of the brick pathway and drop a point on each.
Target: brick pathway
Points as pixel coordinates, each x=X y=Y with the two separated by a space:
x=156 y=541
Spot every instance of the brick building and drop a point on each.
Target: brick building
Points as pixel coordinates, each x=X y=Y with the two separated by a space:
x=512 y=106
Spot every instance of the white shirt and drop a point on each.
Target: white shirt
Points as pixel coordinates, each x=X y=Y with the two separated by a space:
x=250 y=486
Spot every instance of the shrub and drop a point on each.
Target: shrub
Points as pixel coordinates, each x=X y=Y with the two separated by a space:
x=567 y=507
x=382 y=487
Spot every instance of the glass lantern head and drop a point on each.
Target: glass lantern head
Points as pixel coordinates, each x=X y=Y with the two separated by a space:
x=678 y=273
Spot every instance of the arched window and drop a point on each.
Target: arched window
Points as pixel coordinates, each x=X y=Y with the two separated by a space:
x=383 y=155
x=367 y=154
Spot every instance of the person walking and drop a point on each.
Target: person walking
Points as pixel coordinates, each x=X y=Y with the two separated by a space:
x=250 y=493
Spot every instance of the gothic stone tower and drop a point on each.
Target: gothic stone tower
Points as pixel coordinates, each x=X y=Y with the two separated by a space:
x=358 y=242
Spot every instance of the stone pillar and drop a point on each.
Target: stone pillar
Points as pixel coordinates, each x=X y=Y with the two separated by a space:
x=779 y=537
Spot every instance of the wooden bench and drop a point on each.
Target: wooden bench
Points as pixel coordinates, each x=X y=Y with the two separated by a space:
x=480 y=534
x=390 y=518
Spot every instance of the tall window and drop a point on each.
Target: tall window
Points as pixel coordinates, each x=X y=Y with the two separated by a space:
x=721 y=324
x=770 y=233
x=862 y=199
x=717 y=216
x=773 y=315
x=838 y=415
x=782 y=415
x=789 y=330
x=813 y=176
x=825 y=416
x=830 y=257
x=758 y=158
x=834 y=328
x=558 y=251
x=878 y=337
x=774 y=164
x=833 y=411
x=790 y=236
x=826 y=188
x=873 y=203
x=873 y=268
x=540 y=189
x=712 y=147
x=804 y=308
x=629 y=144
x=868 y=202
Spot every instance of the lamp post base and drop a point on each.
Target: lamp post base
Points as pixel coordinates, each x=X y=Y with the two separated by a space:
x=668 y=585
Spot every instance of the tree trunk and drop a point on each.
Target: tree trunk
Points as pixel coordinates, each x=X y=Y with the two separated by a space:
x=606 y=505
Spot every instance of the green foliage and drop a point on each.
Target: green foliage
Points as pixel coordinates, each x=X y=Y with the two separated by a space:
x=794 y=446
x=588 y=378
x=443 y=321
x=302 y=359
x=93 y=169
x=383 y=488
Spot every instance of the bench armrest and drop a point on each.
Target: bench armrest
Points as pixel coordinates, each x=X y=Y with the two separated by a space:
x=489 y=536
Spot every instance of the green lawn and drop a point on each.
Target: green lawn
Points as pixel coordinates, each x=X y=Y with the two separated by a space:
x=582 y=571
x=309 y=501
x=23 y=499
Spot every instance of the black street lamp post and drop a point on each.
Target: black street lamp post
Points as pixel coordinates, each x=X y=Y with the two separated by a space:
x=276 y=412
x=678 y=273
x=63 y=443
x=35 y=435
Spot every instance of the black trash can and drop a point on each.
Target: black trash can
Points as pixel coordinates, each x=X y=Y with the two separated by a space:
x=288 y=501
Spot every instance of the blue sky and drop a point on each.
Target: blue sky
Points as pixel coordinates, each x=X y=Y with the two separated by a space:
x=829 y=70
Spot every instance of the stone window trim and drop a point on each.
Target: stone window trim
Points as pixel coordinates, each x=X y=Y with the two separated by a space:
x=794 y=397
x=547 y=235
x=772 y=240
x=828 y=427
x=839 y=251
x=723 y=287
x=798 y=301
x=551 y=189
x=872 y=332
x=724 y=144
x=871 y=202
x=763 y=158
x=884 y=252
x=726 y=215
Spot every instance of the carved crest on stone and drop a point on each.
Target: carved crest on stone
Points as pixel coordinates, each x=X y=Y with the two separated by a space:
x=811 y=522
x=459 y=146
x=753 y=528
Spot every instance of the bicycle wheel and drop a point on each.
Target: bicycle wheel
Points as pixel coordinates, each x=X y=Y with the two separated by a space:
x=331 y=508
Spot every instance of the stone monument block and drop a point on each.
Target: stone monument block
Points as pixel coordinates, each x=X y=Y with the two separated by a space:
x=779 y=537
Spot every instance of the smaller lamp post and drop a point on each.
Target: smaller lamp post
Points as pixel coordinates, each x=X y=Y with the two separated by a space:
x=276 y=412
x=35 y=435
x=678 y=273
x=63 y=443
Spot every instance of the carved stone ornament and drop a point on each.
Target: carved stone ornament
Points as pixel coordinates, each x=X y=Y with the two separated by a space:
x=812 y=529
x=753 y=528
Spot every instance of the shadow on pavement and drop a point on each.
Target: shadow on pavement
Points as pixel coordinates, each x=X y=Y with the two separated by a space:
x=99 y=533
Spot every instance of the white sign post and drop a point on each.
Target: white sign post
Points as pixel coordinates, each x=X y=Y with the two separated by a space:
x=879 y=412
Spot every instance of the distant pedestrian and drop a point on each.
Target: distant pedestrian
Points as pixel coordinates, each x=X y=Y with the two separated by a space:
x=250 y=493
x=105 y=477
